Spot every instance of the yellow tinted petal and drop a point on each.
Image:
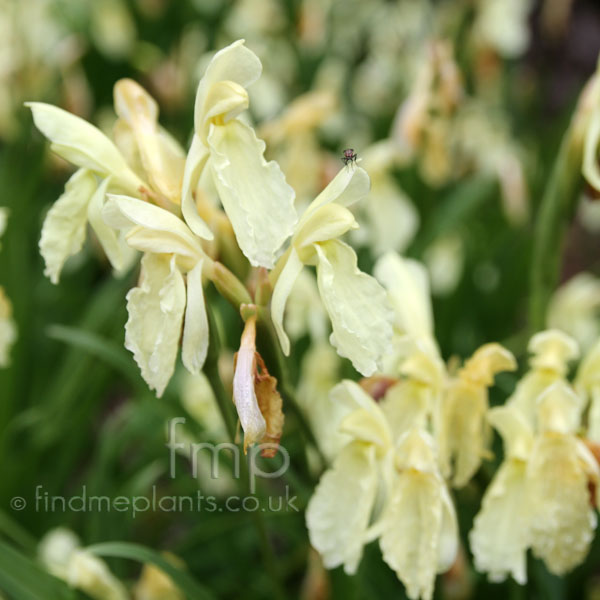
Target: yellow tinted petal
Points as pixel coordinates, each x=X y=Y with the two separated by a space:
x=65 y=225
x=151 y=228
x=155 y=310
x=281 y=291
x=8 y=329
x=563 y=520
x=194 y=164
x=357 y=306
x=82 y=144
x=234 y=63
x=195 y=331
x=254 y=193
x=500 y=535
x=338 y=513
x=117 y=251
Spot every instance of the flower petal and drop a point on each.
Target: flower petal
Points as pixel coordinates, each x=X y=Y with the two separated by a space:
x=195 y=331
x=350 y=185
x=82 y=144
x=63 y=232
x=8 y=329
x=357 y=306
x=234 y=63
x=156 y=310
x=194 y=164
x=157 y=229
x=500 y=535
x=285 y=282
x=162 y=158
x=244 y=395
x=117 y=251
x=338 y=514
x=411 y=532
x=254 y=193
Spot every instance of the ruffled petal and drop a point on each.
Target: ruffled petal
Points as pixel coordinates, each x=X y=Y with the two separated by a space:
x=563 y=520
x=357 y=306
x=254 y=193
x=338 y=513
x=156 y=310
x=195 y=331
x=82 y=144
x=500 y=535
x=410 y=539
x=285 y=282
x=63 y=232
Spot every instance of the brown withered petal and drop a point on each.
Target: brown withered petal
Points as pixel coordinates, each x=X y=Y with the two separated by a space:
x=270 y=404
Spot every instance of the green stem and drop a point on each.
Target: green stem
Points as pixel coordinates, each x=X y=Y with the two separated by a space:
x=556 y=209
x=226 y=408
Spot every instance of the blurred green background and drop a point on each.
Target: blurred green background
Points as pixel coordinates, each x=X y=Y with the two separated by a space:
x=74 y=410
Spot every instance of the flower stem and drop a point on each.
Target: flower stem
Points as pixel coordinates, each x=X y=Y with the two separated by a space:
x=226 y=409
x=556 y=209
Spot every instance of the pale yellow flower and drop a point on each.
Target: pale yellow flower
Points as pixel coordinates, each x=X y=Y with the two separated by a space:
x=377 y=488
x=552 y=351
x=463 y=433
x=419 y=527
x=559 y=471
x=164 y=299
x=254 y=193
x=60 y=552
x=500 y=535
x=8 y=329
x=155 y=584
x=503 y=25
x=355 y=302
x=575 y=309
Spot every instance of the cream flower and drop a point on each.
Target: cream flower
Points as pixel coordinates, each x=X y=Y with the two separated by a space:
x=419 y=528
x=339 y=512
x=463 y=435
x=254 y=193
x=163 y=299
x=552 y=351
x=540 y=496
x=558 y=476
x=575 y=307
x=355 y=302
x=377 y=488
x=62 y=555
x=500 y=535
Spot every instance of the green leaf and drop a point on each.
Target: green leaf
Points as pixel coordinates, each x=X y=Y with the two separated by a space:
x=185 y=582
x=22 y=579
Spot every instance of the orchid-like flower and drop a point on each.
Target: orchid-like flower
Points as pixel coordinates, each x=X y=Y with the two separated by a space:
x=540 y=497
x=552 y=351
x=62 y=555
x=377 y=488
x=463 y=435
x=169 y=293
x=355 y=302
x=253 y=192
